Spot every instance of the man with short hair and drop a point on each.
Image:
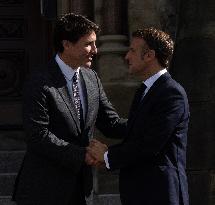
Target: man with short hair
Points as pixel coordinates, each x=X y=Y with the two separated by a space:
x=152 y=156
x=61 y=104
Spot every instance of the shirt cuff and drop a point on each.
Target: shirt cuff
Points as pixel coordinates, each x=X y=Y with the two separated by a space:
x=106 y=160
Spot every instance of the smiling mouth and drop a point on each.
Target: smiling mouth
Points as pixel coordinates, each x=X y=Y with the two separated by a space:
x=89 y=60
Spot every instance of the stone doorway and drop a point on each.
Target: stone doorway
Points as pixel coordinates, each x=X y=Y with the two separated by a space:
x=24 y=44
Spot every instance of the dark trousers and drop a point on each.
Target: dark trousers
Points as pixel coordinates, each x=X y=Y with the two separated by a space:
x=78 y=196
x=77 y=199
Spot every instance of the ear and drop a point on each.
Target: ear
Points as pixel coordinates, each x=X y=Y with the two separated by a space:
x=151 y=54
x=66 y=44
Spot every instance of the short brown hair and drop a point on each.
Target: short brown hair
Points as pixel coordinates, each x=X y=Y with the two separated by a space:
x=72 y=27
x=158 y=41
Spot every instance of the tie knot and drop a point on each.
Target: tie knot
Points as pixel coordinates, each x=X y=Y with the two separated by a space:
x=142 y=87
x=75 y=76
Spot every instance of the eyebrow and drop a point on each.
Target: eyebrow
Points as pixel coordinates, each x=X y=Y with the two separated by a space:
x=131 y=48
x=90 y=41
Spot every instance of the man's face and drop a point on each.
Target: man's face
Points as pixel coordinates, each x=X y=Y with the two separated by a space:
x=135 y=56
x=81 y=53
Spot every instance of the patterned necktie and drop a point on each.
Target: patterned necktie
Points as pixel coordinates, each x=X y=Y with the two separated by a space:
x=137 y=98
x=76 y=96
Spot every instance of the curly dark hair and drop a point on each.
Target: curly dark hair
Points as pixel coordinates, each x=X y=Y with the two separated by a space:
x=158 y=41
x=72 y=27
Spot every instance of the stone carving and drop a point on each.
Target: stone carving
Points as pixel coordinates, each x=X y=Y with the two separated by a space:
x=11 y=28
x=11 y=73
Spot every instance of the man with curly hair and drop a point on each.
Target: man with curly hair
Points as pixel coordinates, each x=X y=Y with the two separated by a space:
x=152 y=156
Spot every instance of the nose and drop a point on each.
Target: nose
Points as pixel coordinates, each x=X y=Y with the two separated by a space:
x=94 y=49
x=127 y=56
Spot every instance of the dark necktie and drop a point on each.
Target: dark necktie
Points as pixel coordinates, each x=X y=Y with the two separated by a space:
x=77 y=99
x=137 y=98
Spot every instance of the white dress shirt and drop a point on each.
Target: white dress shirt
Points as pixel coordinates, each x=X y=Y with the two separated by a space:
x=68 y=73
x=149 y=82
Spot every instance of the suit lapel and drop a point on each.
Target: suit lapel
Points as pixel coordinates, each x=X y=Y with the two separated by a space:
x=89 y=91
x=149 y=95
x=63 y=91
x=61 y=86
x=157 y=84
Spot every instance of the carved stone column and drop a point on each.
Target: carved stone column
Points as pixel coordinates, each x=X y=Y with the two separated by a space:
x=113 y=71
x=83 y=7
x=63 y=6
x=113 y=40
x=113 y=45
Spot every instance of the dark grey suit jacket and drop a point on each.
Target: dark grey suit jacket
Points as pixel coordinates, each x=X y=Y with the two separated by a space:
x=152 y=157
x=54 y=166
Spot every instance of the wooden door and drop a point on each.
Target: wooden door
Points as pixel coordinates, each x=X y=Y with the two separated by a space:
x=24 y=44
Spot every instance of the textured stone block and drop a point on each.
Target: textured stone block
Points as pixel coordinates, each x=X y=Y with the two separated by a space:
x=201 y=141
x=12 y=140
x=6 y=201
x=121 y=95
x=200 y=86
x=10 y=161
x=107 y=182
x=11 y=113
x=107 y=199
x=6 y=184
x=115 y=71
x=142 y=13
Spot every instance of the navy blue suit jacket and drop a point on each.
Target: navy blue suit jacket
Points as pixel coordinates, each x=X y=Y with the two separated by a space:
x=152 y=157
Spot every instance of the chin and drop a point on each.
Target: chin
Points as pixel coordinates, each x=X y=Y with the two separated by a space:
x=87 y=65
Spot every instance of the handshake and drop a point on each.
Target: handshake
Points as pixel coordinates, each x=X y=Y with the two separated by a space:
x=95 y=153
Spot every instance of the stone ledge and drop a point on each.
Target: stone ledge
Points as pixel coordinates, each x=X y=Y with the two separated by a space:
x=6 y=200
x=106 y=199
x=6 y=184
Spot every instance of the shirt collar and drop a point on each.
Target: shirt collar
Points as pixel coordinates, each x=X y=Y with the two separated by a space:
x=150 y=81
x=67 y=71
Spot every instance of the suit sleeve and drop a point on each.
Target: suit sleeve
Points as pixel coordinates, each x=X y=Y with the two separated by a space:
x=108 y=121
x=40 y=139
x=167 y=114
